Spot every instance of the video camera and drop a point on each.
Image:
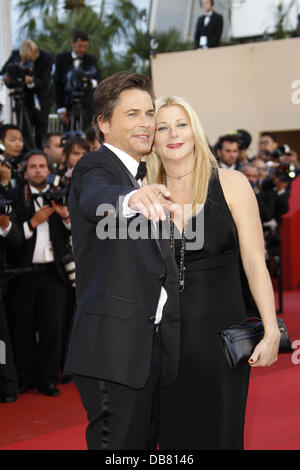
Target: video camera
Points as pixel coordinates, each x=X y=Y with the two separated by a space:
x=282 y=150
x=5 y=206
x=16 y=173
x=17 y=72
x=59 y=191
x=78 y=79
x=285 y=172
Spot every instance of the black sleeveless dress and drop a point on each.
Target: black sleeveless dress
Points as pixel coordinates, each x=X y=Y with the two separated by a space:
x=205 y=407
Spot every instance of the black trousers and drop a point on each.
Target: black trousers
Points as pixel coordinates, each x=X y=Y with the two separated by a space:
x=38 y=315
x=121 y=418
x=8 y=375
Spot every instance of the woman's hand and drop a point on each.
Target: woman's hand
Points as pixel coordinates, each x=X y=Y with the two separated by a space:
x=266 y=351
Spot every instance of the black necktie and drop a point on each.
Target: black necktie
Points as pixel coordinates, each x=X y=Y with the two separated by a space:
x=141 y=171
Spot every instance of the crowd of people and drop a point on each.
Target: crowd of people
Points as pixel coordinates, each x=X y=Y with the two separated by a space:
x=37 y=286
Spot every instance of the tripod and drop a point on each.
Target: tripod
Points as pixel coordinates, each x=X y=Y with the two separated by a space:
x=21 y=117
x=77 y=114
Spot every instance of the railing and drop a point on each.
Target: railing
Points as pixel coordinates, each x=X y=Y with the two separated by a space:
x=53 y=123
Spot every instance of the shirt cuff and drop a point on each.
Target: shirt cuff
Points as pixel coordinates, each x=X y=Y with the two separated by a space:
x=62 y=110
x=67 y=225
x=5 y=231
x=127 y=211
x=27 y=232
x=94 y=82
x=279 y=193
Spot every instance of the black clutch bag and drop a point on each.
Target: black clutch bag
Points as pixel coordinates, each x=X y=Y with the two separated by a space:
x=239 y=341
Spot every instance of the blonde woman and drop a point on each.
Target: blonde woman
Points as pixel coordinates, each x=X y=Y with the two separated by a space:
x=205 y=406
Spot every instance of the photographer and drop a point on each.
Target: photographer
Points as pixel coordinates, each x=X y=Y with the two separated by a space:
x=39 y=298
x=54 y=148
x=12 y=144
x=76 y=76
x=10 y=237
x=29 y=69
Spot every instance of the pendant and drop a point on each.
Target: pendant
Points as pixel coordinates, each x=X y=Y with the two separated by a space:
x=178 y=177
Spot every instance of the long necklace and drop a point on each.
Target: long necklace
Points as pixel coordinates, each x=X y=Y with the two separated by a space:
x=182 y=248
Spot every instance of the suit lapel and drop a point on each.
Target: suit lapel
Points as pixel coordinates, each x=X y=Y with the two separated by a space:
x=114 y=157
x=133 y=181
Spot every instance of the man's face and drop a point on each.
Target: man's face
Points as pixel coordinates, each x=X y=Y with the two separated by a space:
x=207 y=5
x=251 y=173
x=261 y=168
x=76 y=153
x=13 y=142
x=266 y=143
x=37 y=171
x=229 y=153
x=54 y=149
x=132 y=125
x=80 y=47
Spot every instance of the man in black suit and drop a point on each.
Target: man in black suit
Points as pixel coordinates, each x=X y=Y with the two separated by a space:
x=38 y=65
x=209 y=27
x=37 y=299
x=80 y=64
x=125 y=338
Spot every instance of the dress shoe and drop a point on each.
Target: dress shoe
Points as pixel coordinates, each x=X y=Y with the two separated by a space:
x=66 y=379
x=8 y=395
x=50 y=390
x=23 y=388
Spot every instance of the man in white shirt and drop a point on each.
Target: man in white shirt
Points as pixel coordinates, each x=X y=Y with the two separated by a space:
x=209 y=27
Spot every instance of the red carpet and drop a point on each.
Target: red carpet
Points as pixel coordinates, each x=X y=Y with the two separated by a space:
x=37 y=422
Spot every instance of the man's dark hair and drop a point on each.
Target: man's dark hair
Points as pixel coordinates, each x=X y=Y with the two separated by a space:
x=107 y=94
x=49 y=136
x=68 y=147
x=7 y=127
x=33 y=152
x=212 y=3
x=227 y=138
x=271 y=135
x=80 y=35
x=90 y=134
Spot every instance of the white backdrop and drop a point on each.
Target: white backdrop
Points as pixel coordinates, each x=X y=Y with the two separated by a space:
x=256 y=17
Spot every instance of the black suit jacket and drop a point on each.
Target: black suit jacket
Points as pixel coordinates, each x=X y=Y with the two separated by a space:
x=213 y=30
x=63 y=65
x=41 y=75
x=20 y=252
x=118 y=283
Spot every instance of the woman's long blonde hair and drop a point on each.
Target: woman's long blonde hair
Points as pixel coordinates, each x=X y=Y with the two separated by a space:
x=204 y=159
x=29 y=50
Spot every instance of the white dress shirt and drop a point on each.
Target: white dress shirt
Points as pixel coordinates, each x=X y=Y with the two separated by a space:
x=203 y=39
x=132 y=166
x=43 y=251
